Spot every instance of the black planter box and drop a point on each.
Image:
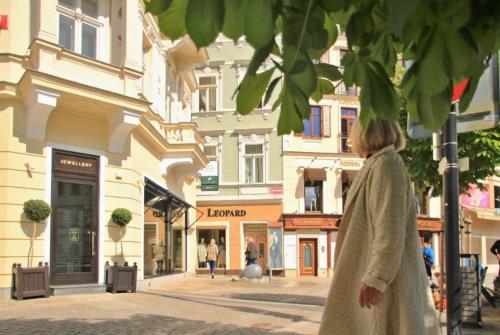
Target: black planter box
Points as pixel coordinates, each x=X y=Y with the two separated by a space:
x=121 y=278
x=30 y=282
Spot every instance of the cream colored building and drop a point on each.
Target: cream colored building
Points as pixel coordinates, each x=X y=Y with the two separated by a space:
x=318 y=167
x=95 y=114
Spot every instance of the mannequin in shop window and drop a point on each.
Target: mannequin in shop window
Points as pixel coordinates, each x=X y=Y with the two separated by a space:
x=202 y=254
x=222 y=253
x=160 y=257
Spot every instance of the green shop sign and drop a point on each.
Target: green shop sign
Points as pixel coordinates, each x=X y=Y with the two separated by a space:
x=209 y=183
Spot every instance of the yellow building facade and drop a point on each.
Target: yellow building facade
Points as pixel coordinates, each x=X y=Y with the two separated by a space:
x=95 y=114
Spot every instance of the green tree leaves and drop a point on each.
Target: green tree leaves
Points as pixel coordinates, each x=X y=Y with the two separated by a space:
x=259 y=26
x=234 y=19
x=447 y=40
x=204 y=21
x=251 y=90
x=172 y=20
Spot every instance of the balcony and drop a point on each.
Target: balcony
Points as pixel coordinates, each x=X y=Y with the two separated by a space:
x=344 y=143
x=185 y=133
x=53 y=60
x=184 y=145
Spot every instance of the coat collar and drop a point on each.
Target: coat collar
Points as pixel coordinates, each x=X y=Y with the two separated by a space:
x=363 y=173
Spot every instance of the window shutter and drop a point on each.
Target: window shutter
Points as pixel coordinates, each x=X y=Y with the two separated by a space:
x=325 y=111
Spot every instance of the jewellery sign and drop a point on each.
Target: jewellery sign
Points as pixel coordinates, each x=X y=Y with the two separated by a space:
x=74 y=163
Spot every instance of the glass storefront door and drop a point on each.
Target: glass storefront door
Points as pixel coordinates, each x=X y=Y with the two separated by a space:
x=307 y=257
x=74 y=231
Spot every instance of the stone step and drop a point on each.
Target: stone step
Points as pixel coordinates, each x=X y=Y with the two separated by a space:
x=77 y=289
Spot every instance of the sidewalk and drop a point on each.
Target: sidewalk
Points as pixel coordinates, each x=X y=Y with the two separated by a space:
x=195 y=305
x=307 y=291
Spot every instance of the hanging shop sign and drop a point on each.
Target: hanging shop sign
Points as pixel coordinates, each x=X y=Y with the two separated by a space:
x=226 y=212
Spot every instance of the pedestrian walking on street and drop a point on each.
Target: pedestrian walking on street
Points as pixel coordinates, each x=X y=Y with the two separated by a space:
x=251 y=252
x=212 y=253
x=428 y=258
x=495 y=249
x=379 y=285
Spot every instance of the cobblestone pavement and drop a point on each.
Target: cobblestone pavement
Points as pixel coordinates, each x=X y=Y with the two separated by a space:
x=189 y=306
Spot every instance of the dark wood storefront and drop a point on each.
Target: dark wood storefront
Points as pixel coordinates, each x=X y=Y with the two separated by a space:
x=308 y=247
x=75 y=224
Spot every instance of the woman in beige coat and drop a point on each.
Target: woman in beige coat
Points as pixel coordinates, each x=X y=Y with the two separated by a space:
x=379 y=285
x=212 y=253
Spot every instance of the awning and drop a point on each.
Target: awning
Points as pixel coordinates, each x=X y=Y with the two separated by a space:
x=314 y=174
x=165 y=202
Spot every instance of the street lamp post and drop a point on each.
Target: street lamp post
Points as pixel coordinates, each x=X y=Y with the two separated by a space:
x=450 y=186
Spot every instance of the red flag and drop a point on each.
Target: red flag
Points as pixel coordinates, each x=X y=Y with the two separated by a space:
x=458 y=90
x=4 y=22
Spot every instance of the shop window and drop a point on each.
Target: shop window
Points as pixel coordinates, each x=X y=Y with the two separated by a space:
x=347 y=118
x=313 y=189
x=347 y=179
x=78 y=26
x=178 y=260
x=207 y=93
x=313 y=194
x=162 y=247
x=254 y=163
x=204 y=236
x=275 y=248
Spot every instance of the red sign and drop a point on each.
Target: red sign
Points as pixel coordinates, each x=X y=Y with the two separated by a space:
x=458 y=90
x=4 y=22
x=276 y=190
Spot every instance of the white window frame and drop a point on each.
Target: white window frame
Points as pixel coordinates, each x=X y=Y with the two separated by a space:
x=255 y=140
x=207 y=93
x=79 y=19
x=216 y=156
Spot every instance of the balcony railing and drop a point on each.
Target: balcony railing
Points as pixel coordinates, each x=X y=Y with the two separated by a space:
x=344 y=143
x=182 y=133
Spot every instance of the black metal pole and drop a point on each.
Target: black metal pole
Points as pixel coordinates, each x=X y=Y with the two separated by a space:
x=186 y=229
x=452 y=245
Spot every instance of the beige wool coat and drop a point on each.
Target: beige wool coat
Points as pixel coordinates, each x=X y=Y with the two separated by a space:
x=212 y=252
x=378 y=244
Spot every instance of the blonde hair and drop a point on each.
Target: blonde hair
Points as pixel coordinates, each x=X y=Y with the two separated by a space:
x=376 y=135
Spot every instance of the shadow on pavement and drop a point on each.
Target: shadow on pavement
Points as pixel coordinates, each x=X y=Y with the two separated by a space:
x=244 y=309
x=136 y=324
x=284 y=298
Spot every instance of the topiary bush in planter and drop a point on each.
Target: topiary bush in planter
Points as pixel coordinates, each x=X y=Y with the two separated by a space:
x=121 y=278
x=121 y=217
x=32 y=281
x=36 y=211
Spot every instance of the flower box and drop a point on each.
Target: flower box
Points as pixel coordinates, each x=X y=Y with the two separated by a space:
x=121 y=278
x=30 y=282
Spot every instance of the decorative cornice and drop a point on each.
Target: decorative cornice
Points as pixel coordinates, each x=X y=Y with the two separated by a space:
x=120 y=126
x=39 y=104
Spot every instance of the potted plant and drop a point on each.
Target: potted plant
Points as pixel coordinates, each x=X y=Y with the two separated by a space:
x=32 y=281
x=121 y=278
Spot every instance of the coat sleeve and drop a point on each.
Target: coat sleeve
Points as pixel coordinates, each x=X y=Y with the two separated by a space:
x=387 y=208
